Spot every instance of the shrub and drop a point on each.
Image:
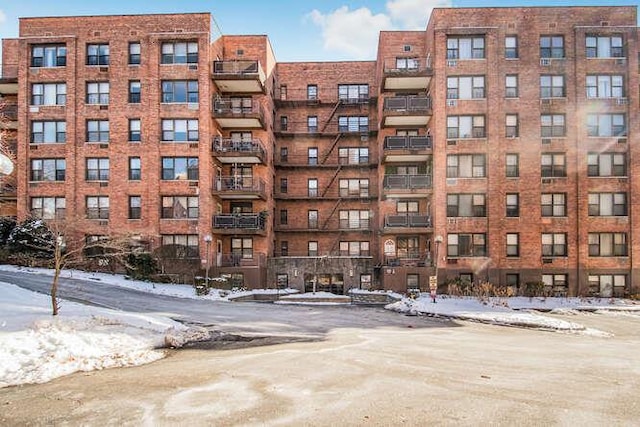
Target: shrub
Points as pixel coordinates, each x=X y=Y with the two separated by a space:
x=141 y=266
x=7 y=224
x=33 y=237
x=534 y=289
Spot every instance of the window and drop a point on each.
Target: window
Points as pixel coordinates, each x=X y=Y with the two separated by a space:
x=312 y=92
x=284 y=217
x=607 y=164
x=512 y=280
x=135 y=92
x=354 y=249
x=353 y=93
x=180 y=246
x=471 y=87
x=353 y=124
x=180 y=207
x=355 y=219
x=95 y=245
x=408 y=64
x=553 y=165
x=135 y=207
x=408 y=247
x=606 y=125
x=511 y=86
x=553 y=204
x=312 y=218
x=552 y=86
x=180 y=130
x=98 y=54
x=407 y=207
x=48 y=207
x=607 y=244
x=465 y=47
x=284 y=123
x=242 y=247
x=48 y=132
x=607 y=285
x=466 y=205
x=48 y=55
x=513 y=245
x=312 y=155
x=365 y=281
x=98 y=93
x=554 y=244
x=180 y=168
x=466 y=166
x=284 y=154
x=282 y=280
x=180 y=91
x=48 y=94
x=179 y=53
x=467 y=245
x=284 y=248
x=604 y=46
x=283 y=185
x=97 y=130
x=135 y=134
x=97 y=169
x=134 y=53
x=511 y=47
x=605 y=86
x=353 y=156
x=48 y=169
x=312 y=123
x=283 y=92
x=552 y=125
x=354 y=187
x=97 y=207
x=312 y=248
x=556 y=282
x=465 y=127
x=512 y=168
x=511 y=126
x=134 y=169
x=513 y=205
x=312 y=187
x=551 y=47
x=607 y=204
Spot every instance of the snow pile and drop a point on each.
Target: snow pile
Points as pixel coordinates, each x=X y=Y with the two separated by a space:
x=36 y=347
x=495 y=311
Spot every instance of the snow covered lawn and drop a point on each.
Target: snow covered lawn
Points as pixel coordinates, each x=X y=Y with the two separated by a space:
x=35 y=347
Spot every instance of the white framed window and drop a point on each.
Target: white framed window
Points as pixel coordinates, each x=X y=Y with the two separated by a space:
x=460 y=127
x=179 y=53
x=466 y=166
x=605 y=86
x=180 y=130
x=607 y=204
x=465 y=87
x=604 y=46
x=48 y=94
x=604 y=125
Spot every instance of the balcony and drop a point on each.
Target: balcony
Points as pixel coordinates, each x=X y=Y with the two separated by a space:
x=239 y=187
x=399 y=223
x=407 y=258
x=407 y=148
x=241 y=260
x=8 y=79
x=406 y=185
x=414 y=111
x=243 y=223
x=232 y=151
x=239 y=76
x=9 y=112
x=406 y=74
x=237 y=113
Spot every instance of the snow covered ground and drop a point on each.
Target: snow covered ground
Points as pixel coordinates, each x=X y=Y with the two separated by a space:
x=35 y=347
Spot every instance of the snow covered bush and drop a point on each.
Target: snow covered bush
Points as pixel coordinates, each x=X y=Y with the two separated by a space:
x=33 y=237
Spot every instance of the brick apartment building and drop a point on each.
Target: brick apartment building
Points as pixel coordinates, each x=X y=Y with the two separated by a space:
x=498 y=145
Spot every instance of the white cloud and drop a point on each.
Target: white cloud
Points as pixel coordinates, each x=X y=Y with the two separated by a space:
x=413 y=14
x=3 y=16
x=355 y=32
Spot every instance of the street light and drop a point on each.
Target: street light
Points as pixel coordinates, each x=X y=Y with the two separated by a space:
x=433 y=287
x=207 y=240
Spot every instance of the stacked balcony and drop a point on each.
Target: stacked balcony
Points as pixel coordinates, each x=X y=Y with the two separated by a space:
x=239 y=76
x=403 y=186
x=240 y=223
x=231 y=151
x=238 y=113
x=239 y=188
x=406 y=223
x=406 y=74
x=407 y=148
x=406 y=111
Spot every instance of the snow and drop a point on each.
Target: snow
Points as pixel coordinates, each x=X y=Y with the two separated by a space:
x=36 y=347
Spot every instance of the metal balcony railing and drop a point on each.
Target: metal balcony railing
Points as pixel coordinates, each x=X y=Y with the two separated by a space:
x=241 y=259
x=241 y=183
x=408 y=258
x=408 y=65
x=227 y=145
x=406 y=182
x=407 y=103
x=237 y=67
x=407 y=142
x=407 y=220
x=245 y=221
x=229 y=107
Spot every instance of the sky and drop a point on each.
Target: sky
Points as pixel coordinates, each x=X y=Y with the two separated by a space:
x=309 y=30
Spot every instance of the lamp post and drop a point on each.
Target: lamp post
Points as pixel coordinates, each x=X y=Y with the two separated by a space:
x=207 y=240
x=433 y=283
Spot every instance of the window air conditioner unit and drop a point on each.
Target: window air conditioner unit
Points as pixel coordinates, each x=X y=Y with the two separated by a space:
x=452 y=260
x=193 y=66
x=452 y=102
x=546 y=180
x=546 y=140
x=545 y=62
x=623 y=180
x=452 y=142
x=622 y=101
x=452 y=63
x=193 y=183
x=193 y=145
x=546 y=101
x=547 y=260
x=104 y=69
x=104 y=145
x=622 y=140
x=104 y=107
x=452 y=181
x=621 y=61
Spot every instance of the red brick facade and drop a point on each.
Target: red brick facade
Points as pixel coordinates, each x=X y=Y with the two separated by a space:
x=334 y=175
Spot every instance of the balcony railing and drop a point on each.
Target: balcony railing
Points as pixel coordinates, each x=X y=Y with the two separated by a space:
x=406 y=182
x=244 y=221
x=229 y=107
x=408 y=66
x=408 y=258
x=407 y=142
x=240 y=68
x=407 y=103
x=407 y=220
x=244 y=259
x=233 y=147
x=362 y=224
x=239 y=184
